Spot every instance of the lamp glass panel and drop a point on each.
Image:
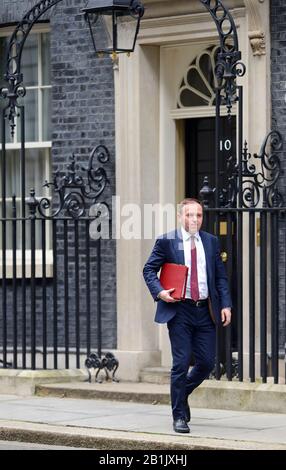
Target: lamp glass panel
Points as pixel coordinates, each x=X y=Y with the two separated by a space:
x=102 y=31
x=126 y=30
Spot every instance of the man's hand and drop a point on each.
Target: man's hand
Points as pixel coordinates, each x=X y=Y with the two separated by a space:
x=166 y=297
x=226 y=316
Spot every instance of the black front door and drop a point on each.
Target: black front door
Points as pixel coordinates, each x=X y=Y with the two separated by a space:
x=200 y=152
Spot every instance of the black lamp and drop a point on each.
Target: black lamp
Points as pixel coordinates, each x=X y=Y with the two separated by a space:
x=113 y=25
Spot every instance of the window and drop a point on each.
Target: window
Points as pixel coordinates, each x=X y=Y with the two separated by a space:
x=35 y=66
x=198 y=86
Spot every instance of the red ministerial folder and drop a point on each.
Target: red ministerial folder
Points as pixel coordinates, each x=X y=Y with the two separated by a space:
x=174 y=276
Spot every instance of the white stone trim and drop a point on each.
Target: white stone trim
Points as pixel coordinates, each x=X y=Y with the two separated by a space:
x=199 y=112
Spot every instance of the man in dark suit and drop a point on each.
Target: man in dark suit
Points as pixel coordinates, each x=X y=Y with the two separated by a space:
x=191 y=322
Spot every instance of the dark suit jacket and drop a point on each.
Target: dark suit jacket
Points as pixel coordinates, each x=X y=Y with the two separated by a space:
x=169 y=249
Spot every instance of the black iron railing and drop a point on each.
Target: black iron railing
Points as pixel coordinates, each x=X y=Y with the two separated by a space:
x=62 y=312
x=250 y=220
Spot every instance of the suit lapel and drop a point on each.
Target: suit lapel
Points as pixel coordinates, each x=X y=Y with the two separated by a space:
x=207 y=248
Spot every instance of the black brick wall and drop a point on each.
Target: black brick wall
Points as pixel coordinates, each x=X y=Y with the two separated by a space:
x=278 y=90
x=13 y=10
x=82 y=118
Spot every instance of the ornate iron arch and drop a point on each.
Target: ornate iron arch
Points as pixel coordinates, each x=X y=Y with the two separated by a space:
x=221 y=15
x=19 y=36
x=225 y=25
x=228 y=65
x=13 y=75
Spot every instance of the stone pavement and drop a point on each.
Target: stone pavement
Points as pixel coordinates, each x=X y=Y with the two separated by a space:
x=113 y=425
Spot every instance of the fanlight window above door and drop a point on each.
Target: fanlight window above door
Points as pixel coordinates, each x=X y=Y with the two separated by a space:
x=199 y=83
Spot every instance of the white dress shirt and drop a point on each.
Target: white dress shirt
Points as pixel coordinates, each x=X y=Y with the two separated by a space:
x=201 y=264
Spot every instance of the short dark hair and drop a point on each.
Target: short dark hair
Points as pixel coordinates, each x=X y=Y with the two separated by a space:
x=189 y=200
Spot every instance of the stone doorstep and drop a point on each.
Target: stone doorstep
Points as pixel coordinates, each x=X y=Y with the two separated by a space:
x=161 y=375
x=236 y=396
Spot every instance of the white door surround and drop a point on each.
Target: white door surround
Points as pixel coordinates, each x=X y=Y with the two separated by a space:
x=147 y=143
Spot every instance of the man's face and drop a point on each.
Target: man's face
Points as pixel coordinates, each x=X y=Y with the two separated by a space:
x=191 y=217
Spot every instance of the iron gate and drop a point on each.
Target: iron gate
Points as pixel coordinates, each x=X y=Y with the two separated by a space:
x=44 y=327
x=249 y=216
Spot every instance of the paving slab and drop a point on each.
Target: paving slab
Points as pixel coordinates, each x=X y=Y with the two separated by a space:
x=87 y=423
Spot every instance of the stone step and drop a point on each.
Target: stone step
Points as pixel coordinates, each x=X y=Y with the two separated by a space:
x=155 y=375
x=267 y=398
x=122 y=391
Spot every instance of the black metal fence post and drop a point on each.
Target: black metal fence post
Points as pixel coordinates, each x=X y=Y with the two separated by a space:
x=14 y=282
x=33 y=203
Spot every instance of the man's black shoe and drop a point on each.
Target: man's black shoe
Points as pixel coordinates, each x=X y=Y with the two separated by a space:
x=180 y=425
x=187 y=411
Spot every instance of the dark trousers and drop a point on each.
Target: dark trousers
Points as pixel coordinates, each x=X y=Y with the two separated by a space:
x=191 y=331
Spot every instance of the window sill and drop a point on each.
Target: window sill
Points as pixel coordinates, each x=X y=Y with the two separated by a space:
x=38 y=264
x=28 y=145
